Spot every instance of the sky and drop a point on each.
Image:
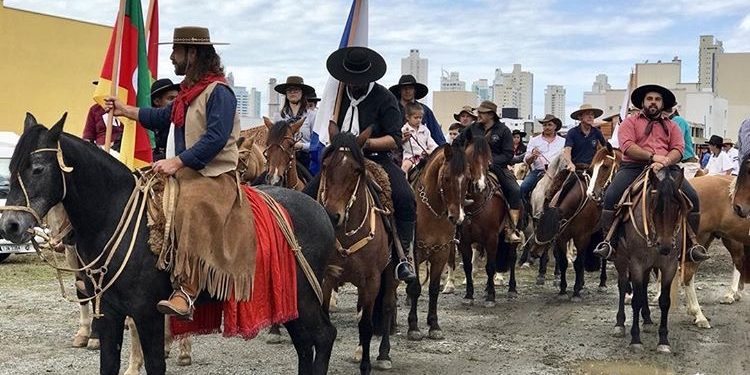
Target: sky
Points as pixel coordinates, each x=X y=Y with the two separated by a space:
x=561 y=42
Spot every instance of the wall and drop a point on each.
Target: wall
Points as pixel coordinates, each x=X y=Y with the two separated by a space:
x=733 y=84
x=446 y=103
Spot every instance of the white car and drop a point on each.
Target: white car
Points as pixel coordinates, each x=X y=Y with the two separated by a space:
x=8 y=142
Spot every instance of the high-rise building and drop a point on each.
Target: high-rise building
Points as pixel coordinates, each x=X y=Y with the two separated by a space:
x=274 y=99
x=415 y=66
x=254 y=103
x=481 y=88
x=451 y=82
x=515 y=90
x=600 y=84
x=707 y=51
x=243 y=100
x=230 y=79
x=554 y=101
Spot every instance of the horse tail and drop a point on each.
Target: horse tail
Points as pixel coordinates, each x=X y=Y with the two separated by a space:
x=549 y=225
x=591 y=262
x=503 y=257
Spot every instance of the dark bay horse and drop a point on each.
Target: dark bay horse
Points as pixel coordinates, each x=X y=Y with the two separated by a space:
x=282 y=168
x=364 y=251
x=651 y=238
x=49 y=166
x=485 y=217
x=440 y=190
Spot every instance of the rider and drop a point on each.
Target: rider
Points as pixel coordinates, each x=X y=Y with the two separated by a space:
x=163 y=93
x=203 y=157
x=501 y=145
x=367 y=104
x=541 y=150
x=649 y=139
x=296 y=96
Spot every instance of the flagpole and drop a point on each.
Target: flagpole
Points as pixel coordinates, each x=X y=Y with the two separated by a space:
x=149 y=17
x=340 y=91
x=115 y=72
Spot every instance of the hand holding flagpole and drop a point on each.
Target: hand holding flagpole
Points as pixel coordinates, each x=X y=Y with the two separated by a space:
x=115 y=73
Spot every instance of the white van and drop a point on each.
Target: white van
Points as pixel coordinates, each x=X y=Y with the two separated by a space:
x=8 y=142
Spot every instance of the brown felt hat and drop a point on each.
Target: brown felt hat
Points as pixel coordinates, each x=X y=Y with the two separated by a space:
x=553 y=119
x=193 y=35
x=294 y=81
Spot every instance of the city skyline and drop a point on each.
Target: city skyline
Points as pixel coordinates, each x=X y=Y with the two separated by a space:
x=556 y=49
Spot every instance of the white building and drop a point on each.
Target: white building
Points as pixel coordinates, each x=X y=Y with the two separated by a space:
x=451 y=82
x=416 y=66
x=515 y=90
x=254 y=103
x=275 y=100
x=482 y=89
x=554 y=101
x=707 y=51
x=601 y=84
x=243 y=100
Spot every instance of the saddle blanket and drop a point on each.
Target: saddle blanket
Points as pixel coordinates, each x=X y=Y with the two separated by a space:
x=274 y=290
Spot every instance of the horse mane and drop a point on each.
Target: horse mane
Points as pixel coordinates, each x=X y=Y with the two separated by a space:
x=481 y=146
x=666 y=188
x=348 y=141
x=555 y=166
x=278 y=131
x=458 y=158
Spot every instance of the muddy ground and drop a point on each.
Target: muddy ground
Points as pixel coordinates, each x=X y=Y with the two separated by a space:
x=537 y=333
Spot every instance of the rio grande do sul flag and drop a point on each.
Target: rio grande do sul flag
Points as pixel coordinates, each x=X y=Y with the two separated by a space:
x=134 y=81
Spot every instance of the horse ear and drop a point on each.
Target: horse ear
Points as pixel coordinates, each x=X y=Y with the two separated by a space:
x=56 y=130
x=448 y=153
x=333 y=129
x=267 y=121
x=364 y=136
x=240 y=141
x=609 y=147
x=29 y=122
x=297 y=125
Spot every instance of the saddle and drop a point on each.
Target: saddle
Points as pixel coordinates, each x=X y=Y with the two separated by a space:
x=380 y=185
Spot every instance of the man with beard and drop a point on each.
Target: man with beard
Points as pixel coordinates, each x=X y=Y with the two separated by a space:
x=212 y=234
x=650 y=140
x=408 y=90
x=465 y=116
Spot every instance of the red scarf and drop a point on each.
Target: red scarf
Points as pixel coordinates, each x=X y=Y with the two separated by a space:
x=188 y=94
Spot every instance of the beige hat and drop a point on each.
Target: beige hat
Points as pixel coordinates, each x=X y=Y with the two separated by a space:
x=468 y=109
x=488 y=106
x=586 y=107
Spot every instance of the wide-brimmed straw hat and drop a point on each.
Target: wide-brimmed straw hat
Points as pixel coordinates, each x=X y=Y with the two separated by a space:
x=294 y=81
x=468 y=109
x=728 y=141
x=553 y=119
x=193 y=35
x=586 y=107
x=716 y=141
x=666 y=95
x=356 y=65
x=488 y=106
x=420 y=90
x=163 y=85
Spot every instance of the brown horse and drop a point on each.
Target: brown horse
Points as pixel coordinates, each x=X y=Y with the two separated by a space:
x=251 y=162
x=652 y=237
x=441 y=189
x=485 y=216
x=282 y=168
x=364 y=253
x=741 y=189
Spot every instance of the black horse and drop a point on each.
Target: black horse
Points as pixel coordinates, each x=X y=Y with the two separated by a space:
x=94 y=194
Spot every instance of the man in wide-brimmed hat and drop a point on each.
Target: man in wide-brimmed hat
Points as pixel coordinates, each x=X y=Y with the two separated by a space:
x=719 y=162
x=408 y=90
x=312 y=101
x=296 y=96
x=163 y=93
x=540 y=151
x=465 y=116
x=733 y=154
x=365 y=103
x=202 y=154
x=498 y=135
x=650 y=140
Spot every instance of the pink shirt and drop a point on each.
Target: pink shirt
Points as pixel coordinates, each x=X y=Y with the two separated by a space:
x=633 y=132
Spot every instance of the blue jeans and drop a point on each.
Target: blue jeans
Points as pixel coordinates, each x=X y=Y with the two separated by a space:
x=529 y=183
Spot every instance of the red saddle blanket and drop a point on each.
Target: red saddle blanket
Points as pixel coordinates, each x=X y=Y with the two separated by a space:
x=274 y=293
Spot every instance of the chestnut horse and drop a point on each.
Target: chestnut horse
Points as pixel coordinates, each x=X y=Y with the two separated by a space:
x=282 y=168
x=251 y=162
x=441 y=189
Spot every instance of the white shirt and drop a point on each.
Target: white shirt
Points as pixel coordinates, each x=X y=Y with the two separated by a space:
x=549 y=150
x=420 y=141
x=734 y=155
x=305 y=131
x=719 y=164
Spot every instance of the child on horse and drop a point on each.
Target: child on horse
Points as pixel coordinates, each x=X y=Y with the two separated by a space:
x=417 y=141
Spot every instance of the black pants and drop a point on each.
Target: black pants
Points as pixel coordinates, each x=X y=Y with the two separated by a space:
x=625 y=176
x=510 y=187
x=304 y=158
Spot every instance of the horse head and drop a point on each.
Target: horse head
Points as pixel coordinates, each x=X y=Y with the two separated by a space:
x=452 y=171
x=741 y=189
x=479 y=156
x=343 y=175
x=666 y=208
x=37 y=180
x=279 y=151
x=251 y=161
x=604 y=165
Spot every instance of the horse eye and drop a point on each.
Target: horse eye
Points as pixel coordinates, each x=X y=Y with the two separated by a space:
x=37 y=170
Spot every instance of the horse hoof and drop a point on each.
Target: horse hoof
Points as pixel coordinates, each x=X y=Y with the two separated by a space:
x=449 y=289
x=540 y=280
x=487 y=304
x=436 y=334
x=526 y=265
x=602 y=289
x=727 y=299
x=166 y=352
x=273 y=339
x=661 y=348
x=499 y=281
x=576 y=299
x=414 y=335
x=618 y=332
x=649 y=327
x=132 y=371
x=628 y=298
x=703 y=323
x=467 y=301
x=562 y=296
x=80 y=341
x=184 y=360
x=737 y=296
x=357 y=358
x=636 y=348
x=383 y=364
x=93 y=344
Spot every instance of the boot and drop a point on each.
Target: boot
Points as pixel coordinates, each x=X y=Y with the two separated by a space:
x=512 y=234
x=404 y=269
x=696 y=253
x=180 y=303
x=604 y=249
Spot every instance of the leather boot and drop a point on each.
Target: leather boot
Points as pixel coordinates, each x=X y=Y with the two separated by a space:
x=404 y=269
x=696 y=253
x=604 y=249
x=180 y=303
x=512 y=234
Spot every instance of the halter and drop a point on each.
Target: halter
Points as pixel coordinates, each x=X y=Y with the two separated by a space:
x=289 y=153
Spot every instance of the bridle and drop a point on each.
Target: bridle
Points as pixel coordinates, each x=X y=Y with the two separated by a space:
x=288 y=151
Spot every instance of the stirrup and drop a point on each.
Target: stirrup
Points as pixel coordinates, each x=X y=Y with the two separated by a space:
x=702 y=253
x=603 y=250
x=409 y=266
x=166 y=307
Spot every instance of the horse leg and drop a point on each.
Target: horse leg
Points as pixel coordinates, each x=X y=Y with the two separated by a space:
x=637 y=304
x=466 y=257
x=557 y=271
x=365 y=305
x=81 y=338
x=136 y=352
x=388 y=302
x=413 y=290
x=648 y=324
x=185 y=358
x=664 y=302
x=151 y=331
x=450 y=281
x=603 y=276
x=561 y=259
x=622 y=287
x=93 y=343
x=492 y=249
x=693 y=306
x=274 y=335
x=543 y=260
x=438 y=260
x=512 y=292
x=312 y=332
x=110 y=327
x=736 y=250
x=168 y=339
x=578 y=285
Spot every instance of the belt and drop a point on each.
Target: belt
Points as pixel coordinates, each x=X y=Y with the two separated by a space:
x=690 y=160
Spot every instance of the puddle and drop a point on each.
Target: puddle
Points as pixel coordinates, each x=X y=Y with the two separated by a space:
x=620 y=368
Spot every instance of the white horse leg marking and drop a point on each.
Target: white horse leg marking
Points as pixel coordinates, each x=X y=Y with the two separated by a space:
x=733 y=291
x=594 y=176
x=136 y=351
x=693 y=307
x=186 y=347
x=81 y=337
x=168 y=339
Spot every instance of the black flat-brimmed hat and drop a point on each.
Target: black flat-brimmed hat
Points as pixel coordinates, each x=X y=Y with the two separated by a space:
x=163 y=85
x=666 y=95
x=586 y=107
x=294 y=81
x=465 y=109
x=313 y=97
x=516 y=131
x=356 y=65
x=553 y=119
x=716 y=141
x=193 y=35
x=611 y=117
x=420 y=90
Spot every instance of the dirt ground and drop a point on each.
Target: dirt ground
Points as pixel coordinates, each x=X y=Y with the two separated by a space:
x=537 y=333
